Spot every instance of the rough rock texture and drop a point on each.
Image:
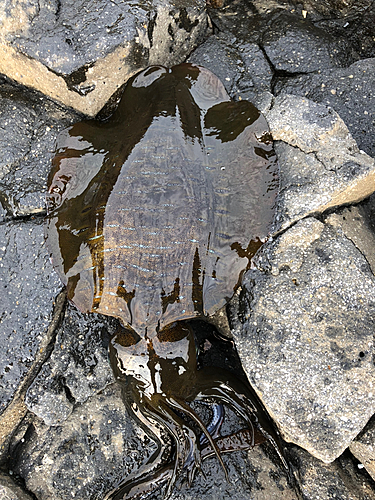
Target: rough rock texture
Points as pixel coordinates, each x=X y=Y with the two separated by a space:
x=306 y=337
x=86 y=454
x=77 y=369
x=253 y=476
x=363 y=447
x=287 y=39
x=11 y=491
x=321 y=165
x=29 y=124
x=99 y=443
x=29 y=286
x=290 y=41
x=349 y=91
x=339 y=480
x=80 y=53
x=240 y=65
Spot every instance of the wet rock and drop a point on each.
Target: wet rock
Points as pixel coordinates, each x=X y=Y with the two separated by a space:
x=241 y=66
x=356 y=25
x=30 y=123
x=334 y=8
x=77 y=369
x=29 y=286
x=11 y=491
x=305 y=337
x=80 y=53
x=252 y=476
x=341 y=479
x=86 y=455
x=320 y=163
x=350 y=92
x=363 y=448
x=287 y=38
x=290 y=40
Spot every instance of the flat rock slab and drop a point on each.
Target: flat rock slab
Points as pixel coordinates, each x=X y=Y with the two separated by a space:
x=306 y=337
x=29 y=123
x=28 y=287
x=349 y=91
x=321 y=166
x=80 y=53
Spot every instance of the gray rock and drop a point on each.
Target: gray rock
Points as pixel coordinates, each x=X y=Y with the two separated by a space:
x=11 y=491
x=28 y=286
x=240 y=65
x=77 y=369
x=30 y=123
x=253 y=476
x=339 y=480
x=321 y=166
x=80 y=53
x=363 y=448
x=290 y=40
x=86 y=455
x=286 y=36
x=356 y=223
x=354 y=24
x=349 y=91
x=305 y=337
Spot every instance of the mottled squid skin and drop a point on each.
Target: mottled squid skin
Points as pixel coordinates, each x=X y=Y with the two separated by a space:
x=153 y=216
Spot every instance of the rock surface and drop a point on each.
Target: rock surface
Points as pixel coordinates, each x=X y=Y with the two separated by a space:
x=77 y=369
x=80 y=54
x=30 y=123
x=29 y=286
x=342 y=479
x=11 y=491
x=349 y=91
x=85 y=455
x=363 y=448
x=321 y=165
x=306 y=338
x=240 y=65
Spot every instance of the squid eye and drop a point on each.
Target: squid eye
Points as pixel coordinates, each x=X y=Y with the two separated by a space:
x=126 y=336
x=174 y=332
x=56 y=191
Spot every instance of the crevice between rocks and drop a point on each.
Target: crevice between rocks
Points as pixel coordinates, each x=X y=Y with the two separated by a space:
x=16 y=410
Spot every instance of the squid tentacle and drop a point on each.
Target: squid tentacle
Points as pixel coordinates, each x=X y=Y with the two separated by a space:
x=182 y=406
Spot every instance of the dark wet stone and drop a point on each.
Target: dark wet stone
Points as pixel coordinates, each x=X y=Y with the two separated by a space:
x=290 y=40
x=357 y=27
x=253 y=476
x=84 y=456
x=30 y=123
x=240 y=65
x=28 y=286
x=349 y=91
x=77 y=369
x=287 y=38
x=340 y=480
